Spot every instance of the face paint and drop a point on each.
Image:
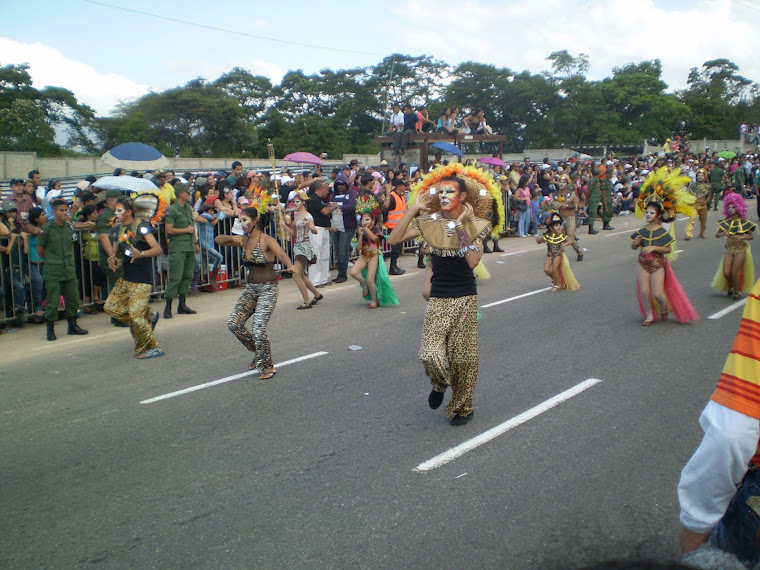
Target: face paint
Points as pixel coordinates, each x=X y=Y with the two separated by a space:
x=650 y=214
x=731 y=210
x=119 y=212
x=449 y=198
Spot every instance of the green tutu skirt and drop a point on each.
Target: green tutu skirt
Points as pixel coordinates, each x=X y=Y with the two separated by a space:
x=386 y=296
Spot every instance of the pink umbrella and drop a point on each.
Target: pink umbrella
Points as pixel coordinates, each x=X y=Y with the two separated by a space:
x=492 y=160
x=303 y=158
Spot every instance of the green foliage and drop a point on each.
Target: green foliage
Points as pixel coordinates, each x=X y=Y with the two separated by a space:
x=341 y=111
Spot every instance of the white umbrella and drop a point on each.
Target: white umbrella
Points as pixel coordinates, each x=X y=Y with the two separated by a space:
x=125 y=184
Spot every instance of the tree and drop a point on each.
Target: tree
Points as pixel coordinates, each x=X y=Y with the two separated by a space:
x=30 y=117
x=566 y=66
x=254 y=93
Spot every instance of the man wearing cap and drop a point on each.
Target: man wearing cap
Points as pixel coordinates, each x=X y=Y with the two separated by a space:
x=396 y=206
x=55 y=245
x=22 y=200
x=165 y=190
x=341 y=240
x=180 y=229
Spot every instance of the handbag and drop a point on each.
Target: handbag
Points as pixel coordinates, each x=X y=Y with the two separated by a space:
x=521 y=205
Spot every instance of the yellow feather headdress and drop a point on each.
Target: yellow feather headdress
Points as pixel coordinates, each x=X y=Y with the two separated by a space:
x=483 y=192
x=667 y=189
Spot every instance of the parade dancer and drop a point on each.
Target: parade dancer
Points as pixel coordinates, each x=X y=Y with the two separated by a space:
x=658 y=289
x=736 y=272
x=301 y=226
x=369 y=269
x=454 y=235
x=260 y=294
x=557 y=266
x=567 y=203
x=134 y=246
x=702 y=193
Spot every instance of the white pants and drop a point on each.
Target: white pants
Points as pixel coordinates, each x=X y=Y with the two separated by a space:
x=319 y=273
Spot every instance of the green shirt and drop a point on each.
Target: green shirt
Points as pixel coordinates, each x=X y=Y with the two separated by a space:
x=102 y=226
x=59 y=252
x=181 y=217
x=715 y=176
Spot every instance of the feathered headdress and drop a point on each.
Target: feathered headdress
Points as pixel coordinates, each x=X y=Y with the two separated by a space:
x=260 y=200
x=483 y=192
x=666 y=189
x=150 y=208
x=303 y=195
x=366 y=204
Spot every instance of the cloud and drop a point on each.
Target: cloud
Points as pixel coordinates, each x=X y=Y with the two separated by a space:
x=49 y=67
x=211 y=71
x=506 y=33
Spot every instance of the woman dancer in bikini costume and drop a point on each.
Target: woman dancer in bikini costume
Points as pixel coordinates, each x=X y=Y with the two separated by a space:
x=658 y=289
x=557 y=266
x=260 y=294
x=736 y=272
x=303 y=254
x=567 y=203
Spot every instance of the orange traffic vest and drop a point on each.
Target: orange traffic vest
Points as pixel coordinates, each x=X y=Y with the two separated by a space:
x=395 y=215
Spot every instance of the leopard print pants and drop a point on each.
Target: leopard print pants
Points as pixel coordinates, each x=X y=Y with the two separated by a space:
x=257 y=300
x=129 y=302
x=450 y=333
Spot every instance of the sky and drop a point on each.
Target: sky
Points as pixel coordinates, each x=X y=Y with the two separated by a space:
x=107 y=55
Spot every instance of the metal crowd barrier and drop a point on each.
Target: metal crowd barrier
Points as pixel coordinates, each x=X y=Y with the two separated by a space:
x=22 y=284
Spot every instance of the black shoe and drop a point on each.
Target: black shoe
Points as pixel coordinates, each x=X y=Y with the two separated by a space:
x=154 y=320
x=396 y=270
x=435 y=399
x=51 y=330
x=607 y=227
x=316 y=300
x=497 y=249
x=486 y=249
x=183 y=309
x=168 y=309
x=580 y=257
x=118 y=323
x=340 y=280
x=74 y=328
x=421 y=263
x=592 y=231
x=458 y=420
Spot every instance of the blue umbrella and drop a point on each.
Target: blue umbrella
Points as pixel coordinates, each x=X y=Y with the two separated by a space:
x=448 y=147
x=133 y=155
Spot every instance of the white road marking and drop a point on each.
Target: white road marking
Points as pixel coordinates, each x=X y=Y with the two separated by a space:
x=724 y=312
x=492 y=433
x=516 y=252
x=515 y=298
x=229 y=379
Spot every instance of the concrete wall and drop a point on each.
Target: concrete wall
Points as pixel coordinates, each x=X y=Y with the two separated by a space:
x=698 y=146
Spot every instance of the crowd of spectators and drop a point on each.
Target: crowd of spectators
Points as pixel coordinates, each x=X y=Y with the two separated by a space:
x=219 y=197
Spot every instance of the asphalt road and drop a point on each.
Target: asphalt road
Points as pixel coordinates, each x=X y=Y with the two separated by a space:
x=319 y=466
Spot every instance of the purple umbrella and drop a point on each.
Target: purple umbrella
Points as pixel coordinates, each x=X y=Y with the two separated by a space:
x=303 y=158
x=493 y=161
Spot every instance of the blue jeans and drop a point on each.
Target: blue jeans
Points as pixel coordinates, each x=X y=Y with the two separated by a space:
x=523 y=222
x=739 y=529
x=341 y=245
x=212 y=258
x=38 y=286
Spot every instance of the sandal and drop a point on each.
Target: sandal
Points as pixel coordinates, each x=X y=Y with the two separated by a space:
x=303 y=306
x=737 y=295
x=152 y=353
x=252 y=365
x=267 y=375
x=365 y=291
x=316 y=300
x=90 y=311
x=647 y=323
x=373 y=305
x=35 y=320
x=664 y=314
